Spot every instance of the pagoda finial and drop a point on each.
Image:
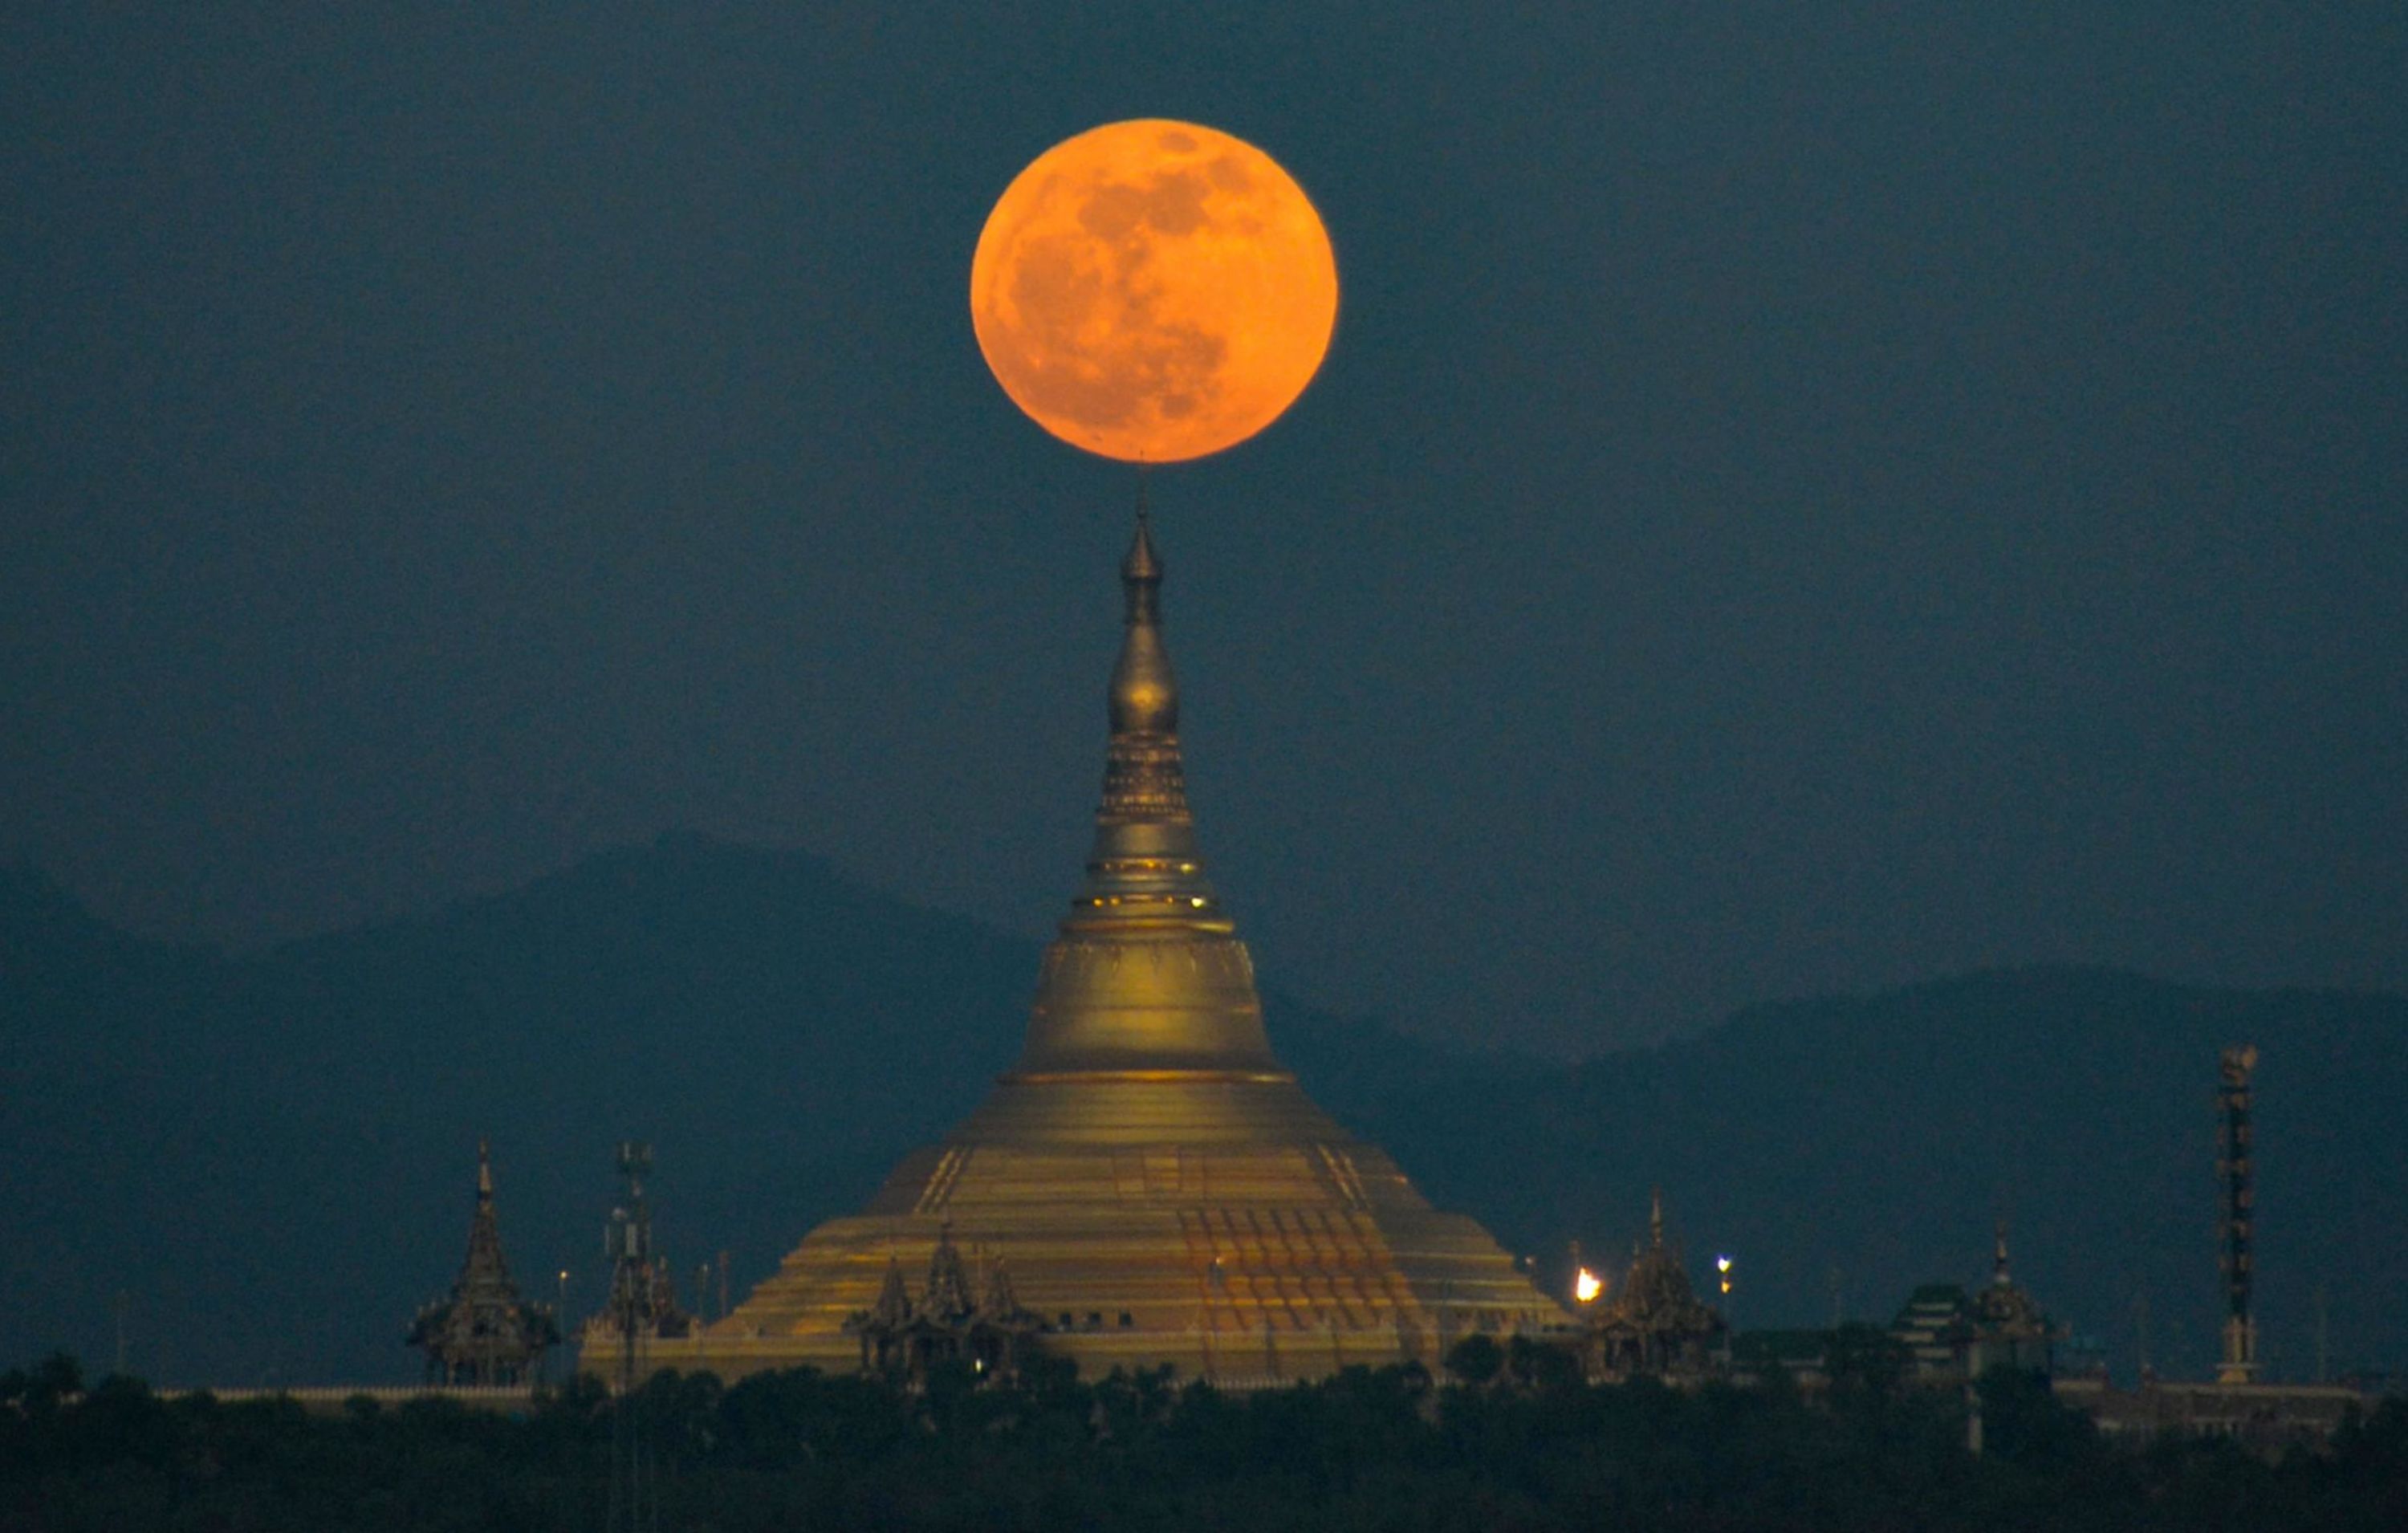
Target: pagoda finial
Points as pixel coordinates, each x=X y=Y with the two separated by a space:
x=1656 y=1218
x=1144 y=694
x=484 y=1170
x=1998 y=1257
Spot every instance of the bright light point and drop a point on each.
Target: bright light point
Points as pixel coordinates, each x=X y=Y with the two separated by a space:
x=1587 y=1287
x=1722 y=1263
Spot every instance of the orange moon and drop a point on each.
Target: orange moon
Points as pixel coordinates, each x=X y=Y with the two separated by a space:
x=1153 y=290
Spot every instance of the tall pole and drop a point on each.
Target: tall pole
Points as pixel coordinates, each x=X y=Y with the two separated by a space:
x=2324 y=1337
x=2235 y=1166
x=634 y=1504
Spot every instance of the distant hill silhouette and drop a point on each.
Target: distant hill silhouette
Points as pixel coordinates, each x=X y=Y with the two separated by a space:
x=271 y=1156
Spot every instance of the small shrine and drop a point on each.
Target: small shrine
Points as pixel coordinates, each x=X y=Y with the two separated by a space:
x=1655 y=1323
x=1953 y=1335
x=483 y=1333
x=2010 y=1329
x=956 y=1319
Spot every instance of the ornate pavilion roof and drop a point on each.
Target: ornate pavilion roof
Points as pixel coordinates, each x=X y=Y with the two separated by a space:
x=483 y=1333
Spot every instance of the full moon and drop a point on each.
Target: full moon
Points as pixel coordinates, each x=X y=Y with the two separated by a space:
x=1153 y=290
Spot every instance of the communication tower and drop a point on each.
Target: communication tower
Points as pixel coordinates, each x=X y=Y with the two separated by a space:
x=2233 y=1168
x=635 y=1310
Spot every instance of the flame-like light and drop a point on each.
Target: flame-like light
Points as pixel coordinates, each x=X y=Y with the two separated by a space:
x=1587 y=1287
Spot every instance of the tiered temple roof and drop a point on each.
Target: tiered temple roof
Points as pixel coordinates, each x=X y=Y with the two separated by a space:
x=1655 y=1323
x=483 y=1333
x=1952 y=1334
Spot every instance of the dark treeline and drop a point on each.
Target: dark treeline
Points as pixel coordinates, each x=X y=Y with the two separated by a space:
x=1382 y=1450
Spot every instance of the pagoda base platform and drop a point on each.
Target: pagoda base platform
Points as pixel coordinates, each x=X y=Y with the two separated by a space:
x=1232 y=1259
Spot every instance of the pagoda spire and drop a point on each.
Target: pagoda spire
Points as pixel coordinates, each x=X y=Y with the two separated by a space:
x=485 y=1261
x=893 y=1301
x=1146 y=1174
x=949 y=1295
x=1149 y=973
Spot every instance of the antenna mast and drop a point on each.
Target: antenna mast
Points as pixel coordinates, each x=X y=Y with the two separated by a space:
x=634 y=1494
x=2234 y=1165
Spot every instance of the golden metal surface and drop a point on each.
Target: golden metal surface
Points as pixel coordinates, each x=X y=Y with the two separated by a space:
x=1161 y=1189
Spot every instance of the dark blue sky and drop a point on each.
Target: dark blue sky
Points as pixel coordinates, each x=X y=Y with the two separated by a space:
x=1800 y=496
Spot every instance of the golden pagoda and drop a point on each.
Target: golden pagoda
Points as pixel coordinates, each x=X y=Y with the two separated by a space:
x=1148 y=1184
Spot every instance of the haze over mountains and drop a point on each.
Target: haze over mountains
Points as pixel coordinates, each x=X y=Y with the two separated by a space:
x=270 y=1157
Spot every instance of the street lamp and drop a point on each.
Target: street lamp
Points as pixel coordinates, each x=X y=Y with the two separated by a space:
x=560 y=1319
x=1723 y=1272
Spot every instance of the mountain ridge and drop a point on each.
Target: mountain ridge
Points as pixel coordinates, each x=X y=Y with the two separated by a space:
x=269 y=1154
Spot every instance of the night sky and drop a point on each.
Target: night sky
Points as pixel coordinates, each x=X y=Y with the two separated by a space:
x=1800 y=496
